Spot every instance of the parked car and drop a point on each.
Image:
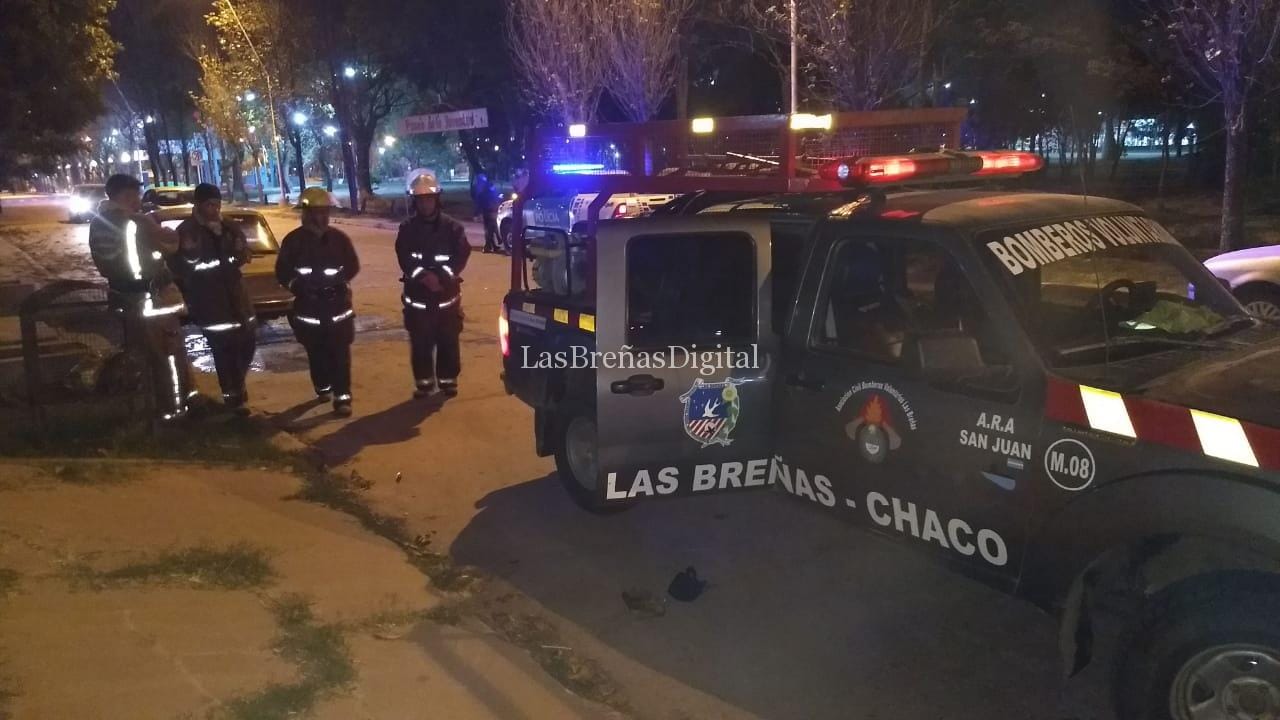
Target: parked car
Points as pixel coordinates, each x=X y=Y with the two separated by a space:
x=269 y=299
x=84 y=201
x=1253 y=274
x=178 y=196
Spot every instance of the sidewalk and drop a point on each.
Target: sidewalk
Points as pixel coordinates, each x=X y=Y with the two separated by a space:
x=132 y=590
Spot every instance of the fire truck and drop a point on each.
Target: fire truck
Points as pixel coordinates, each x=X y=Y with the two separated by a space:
x=1045 y=392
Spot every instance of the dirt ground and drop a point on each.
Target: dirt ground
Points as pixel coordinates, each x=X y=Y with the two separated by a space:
x=171 y=591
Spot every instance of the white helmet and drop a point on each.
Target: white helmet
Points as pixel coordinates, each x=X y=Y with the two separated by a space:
x=424 y=183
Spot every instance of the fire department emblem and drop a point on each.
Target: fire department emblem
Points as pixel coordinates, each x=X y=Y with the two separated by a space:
x=711 y=411
x=873 y=431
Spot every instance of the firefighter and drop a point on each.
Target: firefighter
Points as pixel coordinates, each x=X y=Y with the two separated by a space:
x=211 y=251
x=432 y=249
x=317 y=263
x=129 y=250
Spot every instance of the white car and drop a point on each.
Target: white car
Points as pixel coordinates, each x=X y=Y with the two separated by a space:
x=565 y=212
x=1253 y=274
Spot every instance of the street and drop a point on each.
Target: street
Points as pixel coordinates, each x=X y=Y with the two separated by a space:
x=804 y=618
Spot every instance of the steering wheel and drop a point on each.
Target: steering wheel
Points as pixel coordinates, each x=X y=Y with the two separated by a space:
x=1108 y=300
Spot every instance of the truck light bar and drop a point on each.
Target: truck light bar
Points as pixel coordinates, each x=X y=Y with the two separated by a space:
x=888 y=169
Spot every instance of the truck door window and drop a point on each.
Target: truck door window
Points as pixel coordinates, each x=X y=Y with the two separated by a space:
x=684 y=292
x=878 y=294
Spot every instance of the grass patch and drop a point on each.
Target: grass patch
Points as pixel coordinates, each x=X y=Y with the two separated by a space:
x=8 y=582
x=323 y=661
x=238 y=441
x=238 y=567
x=91 y=473
x=539 y=638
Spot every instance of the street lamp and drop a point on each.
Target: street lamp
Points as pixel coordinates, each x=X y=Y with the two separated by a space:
x=330 y=131
x=349 y=71
x=250 y=95
x=388 y=141
x=299 y=118
x=253 y=129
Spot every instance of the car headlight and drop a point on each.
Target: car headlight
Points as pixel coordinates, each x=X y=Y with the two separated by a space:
x=79 y=205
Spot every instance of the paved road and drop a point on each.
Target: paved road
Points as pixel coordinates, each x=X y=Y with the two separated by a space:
x=805 y=618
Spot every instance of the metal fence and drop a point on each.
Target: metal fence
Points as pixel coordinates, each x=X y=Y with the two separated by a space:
x=74 y=352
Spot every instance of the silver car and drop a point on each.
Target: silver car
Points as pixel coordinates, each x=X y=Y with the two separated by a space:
x=1253 y=274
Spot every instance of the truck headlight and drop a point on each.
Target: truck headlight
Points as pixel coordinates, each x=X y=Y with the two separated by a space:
x=79 y=205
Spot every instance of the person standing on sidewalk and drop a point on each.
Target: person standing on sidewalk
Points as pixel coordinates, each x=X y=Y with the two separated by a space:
x=211 y=251
x=487 y=201
x=129 y=250
x=317 y=263
x=432 y=250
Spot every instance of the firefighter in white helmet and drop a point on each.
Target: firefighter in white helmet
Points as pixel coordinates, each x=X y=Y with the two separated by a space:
x=432 y=249
x=317 y=263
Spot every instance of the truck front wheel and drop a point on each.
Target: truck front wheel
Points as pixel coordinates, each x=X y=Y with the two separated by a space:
x=576 y=460
x=1209 y=650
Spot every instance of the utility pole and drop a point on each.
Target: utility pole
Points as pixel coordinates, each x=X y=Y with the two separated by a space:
x=795 y=59
x=271 y=104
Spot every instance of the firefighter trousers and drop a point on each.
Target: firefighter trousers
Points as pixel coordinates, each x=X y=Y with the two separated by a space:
x=328 y=349
x=232 y=351
x=434 y=348
x=158 y=340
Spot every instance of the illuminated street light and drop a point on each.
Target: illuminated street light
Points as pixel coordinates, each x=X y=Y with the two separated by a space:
x=299 y=118
x=253 y=129
x=349 y=71
x=250 y=95
x=382 y=151
x=388 y=141
x=124 y=157
x=946 y=86
x=330 y=131
x=496 y=148
x=93 y=164
x=86 y=138
x=150 y=119
x=115 y=132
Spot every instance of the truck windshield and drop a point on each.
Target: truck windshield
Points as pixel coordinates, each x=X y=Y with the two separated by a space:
x=1109 y=288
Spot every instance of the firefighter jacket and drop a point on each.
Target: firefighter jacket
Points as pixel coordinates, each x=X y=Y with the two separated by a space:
x=207 y=268
x=317 y=267
x=437 y=245
x=129 y=250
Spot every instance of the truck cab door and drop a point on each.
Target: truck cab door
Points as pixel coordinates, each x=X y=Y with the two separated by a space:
x=870 y=426
x=685 y=357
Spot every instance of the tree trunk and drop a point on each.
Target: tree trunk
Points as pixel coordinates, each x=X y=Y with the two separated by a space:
x=469 y=152
x=295 y=139
x=168 y=148
x=153 y=154
x=237 y=178
x=1122 y=133
x=1164 y=160
x=349 y=168
x=323 y=160
x=186 y=159
x=364 y=169
x=1233 y=173
x=282 y=172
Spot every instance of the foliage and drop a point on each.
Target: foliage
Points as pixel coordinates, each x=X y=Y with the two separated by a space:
x=643 y=49
x=65 y=45
x=559 y=48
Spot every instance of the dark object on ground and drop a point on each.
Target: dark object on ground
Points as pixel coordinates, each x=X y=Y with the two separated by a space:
x=685 y=586
x=644 y=602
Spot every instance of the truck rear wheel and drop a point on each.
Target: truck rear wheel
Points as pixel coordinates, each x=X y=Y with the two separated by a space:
x=1208 y=651
x=576 y=461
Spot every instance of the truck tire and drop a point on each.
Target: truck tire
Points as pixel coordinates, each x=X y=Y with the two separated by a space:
x=1262 y=301
x=576 y=459
x=1207 y=649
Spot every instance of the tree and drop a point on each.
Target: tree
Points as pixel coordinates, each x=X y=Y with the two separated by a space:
x=222 y=112
x=857 y=55
x=56 y=55
x=559 y=49
x=1226 y=47
x=643 y=47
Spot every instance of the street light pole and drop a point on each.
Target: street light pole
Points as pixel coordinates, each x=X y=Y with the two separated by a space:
x=271 y=103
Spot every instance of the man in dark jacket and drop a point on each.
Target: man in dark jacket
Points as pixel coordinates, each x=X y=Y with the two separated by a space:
x=211 y=251
x=317 y=263
x=487 y=201
x=129 y=250
x=432 y=249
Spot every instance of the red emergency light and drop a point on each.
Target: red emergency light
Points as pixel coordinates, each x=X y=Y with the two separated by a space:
x=891 y=169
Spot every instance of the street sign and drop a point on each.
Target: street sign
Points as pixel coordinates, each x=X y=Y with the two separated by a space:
x=472 y=119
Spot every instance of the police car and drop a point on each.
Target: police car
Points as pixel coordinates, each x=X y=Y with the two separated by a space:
x=1046 y=392
x=566 y=212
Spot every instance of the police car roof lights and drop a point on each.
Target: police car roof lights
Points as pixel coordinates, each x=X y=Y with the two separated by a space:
x=905 y=168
